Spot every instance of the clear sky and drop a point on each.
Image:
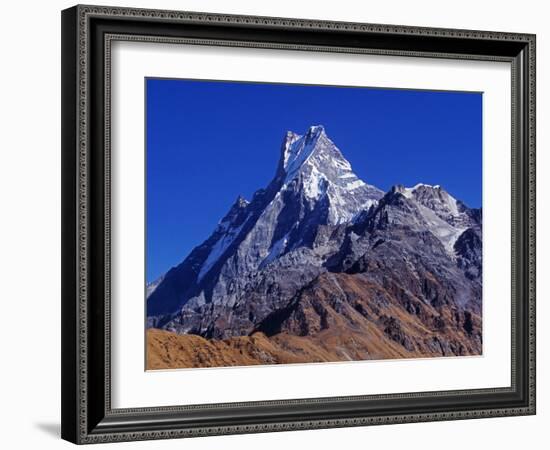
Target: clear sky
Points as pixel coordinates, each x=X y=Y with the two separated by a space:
x=209 y=141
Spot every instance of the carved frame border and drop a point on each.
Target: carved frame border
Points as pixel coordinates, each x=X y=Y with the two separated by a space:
x=76 y=424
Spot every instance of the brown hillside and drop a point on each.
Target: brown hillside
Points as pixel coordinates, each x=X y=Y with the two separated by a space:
x=319 y=327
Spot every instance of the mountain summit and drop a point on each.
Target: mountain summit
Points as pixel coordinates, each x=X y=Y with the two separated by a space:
x=314 y=187
x=313 y=165
x=319 y=248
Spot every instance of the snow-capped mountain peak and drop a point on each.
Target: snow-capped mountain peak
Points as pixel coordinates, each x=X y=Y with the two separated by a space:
x=297 y=149
x=313 y=164
x=438 y=212
x=435 y=197
x=314 y=187
x=443 y=204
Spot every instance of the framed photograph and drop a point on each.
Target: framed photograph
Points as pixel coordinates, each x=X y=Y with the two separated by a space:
x=280 y=224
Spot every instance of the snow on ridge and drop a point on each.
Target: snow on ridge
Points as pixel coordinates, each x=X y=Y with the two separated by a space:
x=440 y=212
x=453 y=205
x=324 y=171
x=290 y=140
x=408 y=191
x=314 y=185
x=225 y=223
x=355 y=184
x=276 y=249
x=444 y=196
x=295 y=156
x=219 y=248
x=153 y=285
x=298 y=152
x=348 y=175
x=416 y=186
x=445 y=232
x=315 y=144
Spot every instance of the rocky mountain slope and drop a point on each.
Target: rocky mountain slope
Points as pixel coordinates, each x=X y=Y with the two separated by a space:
x=325 y=267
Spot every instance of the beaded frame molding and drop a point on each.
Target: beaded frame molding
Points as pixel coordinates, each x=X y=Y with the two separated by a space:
x=87 y=35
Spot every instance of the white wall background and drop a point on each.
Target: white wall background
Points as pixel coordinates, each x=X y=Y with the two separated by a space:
x=30 y=222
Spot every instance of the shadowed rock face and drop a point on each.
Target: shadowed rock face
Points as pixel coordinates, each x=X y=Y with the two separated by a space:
x=318 y=252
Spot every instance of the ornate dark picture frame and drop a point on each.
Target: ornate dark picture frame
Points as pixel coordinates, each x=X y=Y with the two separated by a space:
x=87 y=34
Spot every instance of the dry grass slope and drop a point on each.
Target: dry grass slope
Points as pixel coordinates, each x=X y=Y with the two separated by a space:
x=374 y=322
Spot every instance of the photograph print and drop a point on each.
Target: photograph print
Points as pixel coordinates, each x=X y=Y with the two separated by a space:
x=290 y=223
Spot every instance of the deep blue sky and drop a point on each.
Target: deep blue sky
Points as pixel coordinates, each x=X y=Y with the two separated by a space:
x=208 y=142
